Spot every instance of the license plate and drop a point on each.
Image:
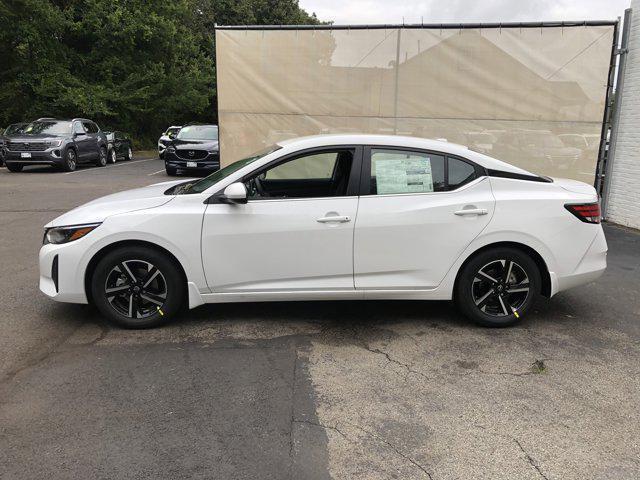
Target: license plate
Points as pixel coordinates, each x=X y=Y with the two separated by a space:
x=192 y=164
x=25 y=155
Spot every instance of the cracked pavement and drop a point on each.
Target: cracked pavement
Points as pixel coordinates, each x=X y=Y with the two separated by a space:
x=355 y=390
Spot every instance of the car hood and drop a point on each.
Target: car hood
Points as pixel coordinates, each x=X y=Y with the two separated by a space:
x=98 y=210
x=195 y=144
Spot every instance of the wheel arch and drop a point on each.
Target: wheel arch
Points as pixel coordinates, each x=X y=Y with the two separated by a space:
x=531 y=252
x=91 y=266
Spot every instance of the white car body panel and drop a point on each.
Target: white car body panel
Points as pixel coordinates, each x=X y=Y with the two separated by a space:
x=408 y=246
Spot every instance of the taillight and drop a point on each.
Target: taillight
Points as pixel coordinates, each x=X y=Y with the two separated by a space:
x=587 y=212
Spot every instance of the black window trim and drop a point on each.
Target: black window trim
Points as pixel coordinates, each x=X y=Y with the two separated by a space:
x=519 y=176
x=365 y=172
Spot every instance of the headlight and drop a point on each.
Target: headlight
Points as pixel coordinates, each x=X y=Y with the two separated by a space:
x=54 y=143
x=58 y=235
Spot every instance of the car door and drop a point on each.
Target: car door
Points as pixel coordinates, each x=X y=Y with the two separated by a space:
x=295 y=233
x=419 y=212
x=93 y=150
x=82 y=141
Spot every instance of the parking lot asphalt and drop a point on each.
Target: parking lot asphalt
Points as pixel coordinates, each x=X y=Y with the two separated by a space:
x=354 y=390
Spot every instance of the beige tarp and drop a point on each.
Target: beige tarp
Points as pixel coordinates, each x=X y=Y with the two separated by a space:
x=531 y=96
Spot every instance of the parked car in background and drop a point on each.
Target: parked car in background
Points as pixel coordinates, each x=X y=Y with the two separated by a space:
x=60 y=143
x=120 y=146
x=332 y=217
x=12 y=129
x=166 y=137
x=195 y=148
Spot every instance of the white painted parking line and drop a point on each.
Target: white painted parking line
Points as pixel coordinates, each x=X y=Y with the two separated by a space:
x=155 y=173
x=99 y=169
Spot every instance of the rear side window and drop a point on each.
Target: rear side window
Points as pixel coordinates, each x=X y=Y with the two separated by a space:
x=399 y=171
x=460 y=173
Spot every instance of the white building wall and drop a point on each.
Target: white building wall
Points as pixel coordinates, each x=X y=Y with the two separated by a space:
x=623 y=206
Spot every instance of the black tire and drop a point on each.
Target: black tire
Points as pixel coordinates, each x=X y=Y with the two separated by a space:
x=113 y=158
x=172 y=172
x=70 y=160
x=155 y=302
x=129 y=154
x=101 y=161
x=486 y=296
x=15 y=167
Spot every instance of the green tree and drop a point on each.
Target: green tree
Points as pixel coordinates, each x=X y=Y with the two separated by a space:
x=131 y=65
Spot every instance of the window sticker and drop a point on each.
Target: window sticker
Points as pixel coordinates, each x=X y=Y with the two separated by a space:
x=407 y=175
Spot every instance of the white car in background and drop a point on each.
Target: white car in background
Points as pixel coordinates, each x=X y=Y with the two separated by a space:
x=166 y=138
x=335 y=217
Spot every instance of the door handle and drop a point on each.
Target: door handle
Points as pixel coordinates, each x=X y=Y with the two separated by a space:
x=334 y=219
x=471 y=211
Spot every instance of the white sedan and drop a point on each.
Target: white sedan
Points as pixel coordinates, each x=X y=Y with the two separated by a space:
x=335 y=217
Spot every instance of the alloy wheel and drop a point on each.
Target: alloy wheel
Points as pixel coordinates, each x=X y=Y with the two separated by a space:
x=113 y=156
x=71 y=160
x=500 y=288
x=136 y=289
x=130 y=154
x=103 y=157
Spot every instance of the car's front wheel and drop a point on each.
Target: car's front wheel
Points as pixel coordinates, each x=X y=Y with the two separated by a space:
x=497 y=287
x=14 y=167
x=137 y=287
x=70 y=161
x=129 y=154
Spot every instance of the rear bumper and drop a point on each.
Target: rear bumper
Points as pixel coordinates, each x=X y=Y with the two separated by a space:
x=591 y=266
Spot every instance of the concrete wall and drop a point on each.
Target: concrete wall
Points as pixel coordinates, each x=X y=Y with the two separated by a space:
x=623 y=205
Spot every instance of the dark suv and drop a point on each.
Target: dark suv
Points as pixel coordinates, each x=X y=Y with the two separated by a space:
x=194 y=148
x=60 y=143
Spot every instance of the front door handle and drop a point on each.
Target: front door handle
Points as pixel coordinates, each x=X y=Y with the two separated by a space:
x=471 y=211
x=334 y=219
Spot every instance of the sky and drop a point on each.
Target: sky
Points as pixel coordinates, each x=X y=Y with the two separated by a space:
x=345 y=12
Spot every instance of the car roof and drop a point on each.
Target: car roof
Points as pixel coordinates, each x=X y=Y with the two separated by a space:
x=400 y=141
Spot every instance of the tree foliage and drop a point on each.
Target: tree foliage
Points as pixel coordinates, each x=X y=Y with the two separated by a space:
x=130 y=65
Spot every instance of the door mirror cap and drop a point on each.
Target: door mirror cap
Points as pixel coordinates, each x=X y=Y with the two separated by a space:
x=235 y=193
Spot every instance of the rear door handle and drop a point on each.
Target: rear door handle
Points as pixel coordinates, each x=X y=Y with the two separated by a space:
x=334 y=219
x=471 y=211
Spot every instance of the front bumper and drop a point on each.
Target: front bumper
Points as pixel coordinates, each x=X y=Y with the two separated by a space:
x=51 y=156
x=211 y=162
x=59 y=279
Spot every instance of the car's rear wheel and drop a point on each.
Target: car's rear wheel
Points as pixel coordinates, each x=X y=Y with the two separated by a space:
x=102 y=157
x=14 y=167
x=112 y=156
x=137 y=287
x=171 y=171
x=70 y=161
x=497 y=287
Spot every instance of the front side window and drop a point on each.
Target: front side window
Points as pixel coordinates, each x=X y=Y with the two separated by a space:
x=399 y=171
x=313 y=175
x=90 y=127
x=78 y=128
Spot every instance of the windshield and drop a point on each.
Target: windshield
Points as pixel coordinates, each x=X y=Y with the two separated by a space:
x=52 y=127
x=13 y=129
x=201 y=185
x=198 y=132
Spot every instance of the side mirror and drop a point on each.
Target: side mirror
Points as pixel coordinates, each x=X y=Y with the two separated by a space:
x=236 y=193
